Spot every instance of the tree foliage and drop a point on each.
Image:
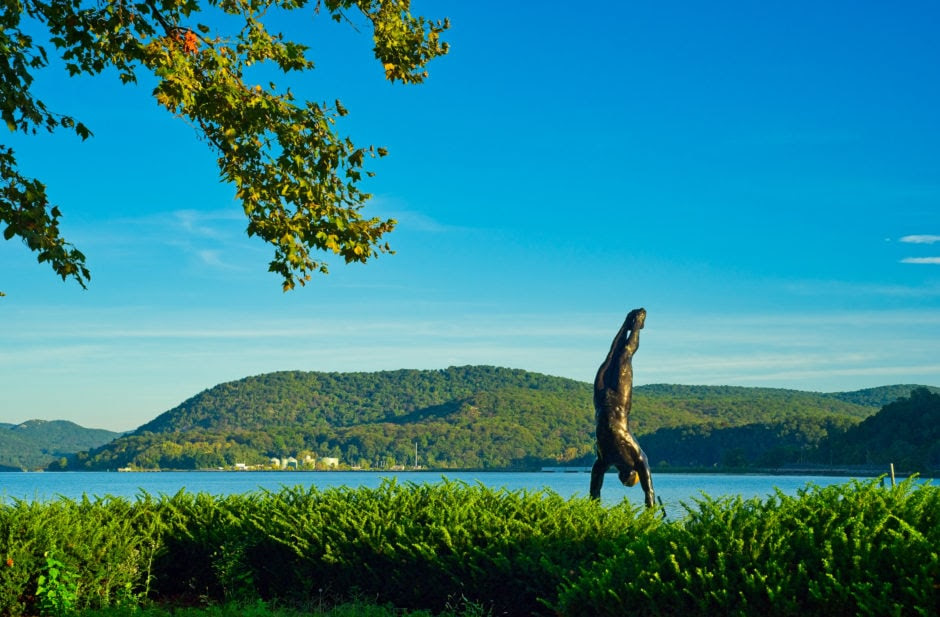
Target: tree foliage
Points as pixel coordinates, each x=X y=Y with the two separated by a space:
x=298 y=181
x=883 y=395
x=770 y=443
x=905 y=432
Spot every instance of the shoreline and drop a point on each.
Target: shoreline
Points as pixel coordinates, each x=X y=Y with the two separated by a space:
x=859 y=471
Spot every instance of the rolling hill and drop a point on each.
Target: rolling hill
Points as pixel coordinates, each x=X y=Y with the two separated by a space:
x=36 y=443
x=905 y=432
x=478 y=417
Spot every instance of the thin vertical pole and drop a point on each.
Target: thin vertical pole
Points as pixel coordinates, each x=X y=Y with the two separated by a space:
x=892 y=475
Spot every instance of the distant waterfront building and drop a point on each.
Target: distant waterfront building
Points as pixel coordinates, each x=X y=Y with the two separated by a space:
x=329 y=461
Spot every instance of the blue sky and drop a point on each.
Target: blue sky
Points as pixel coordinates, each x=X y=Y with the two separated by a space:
x=763 y=178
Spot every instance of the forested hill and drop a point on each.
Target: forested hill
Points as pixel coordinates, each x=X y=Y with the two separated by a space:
x=905 y=432
x=879 y=397
x=460 y=417
x=671 y=406
x=34 y=443
x=349 y=399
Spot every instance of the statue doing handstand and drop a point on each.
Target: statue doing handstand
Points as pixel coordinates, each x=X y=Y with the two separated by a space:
x=613 y=393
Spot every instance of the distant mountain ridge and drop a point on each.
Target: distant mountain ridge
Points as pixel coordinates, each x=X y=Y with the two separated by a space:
x=906 y=432
x=868 y=397
x=881 y=396
x=479 y=417
x=36 y=443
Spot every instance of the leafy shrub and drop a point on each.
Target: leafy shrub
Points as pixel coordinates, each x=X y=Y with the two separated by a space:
x=201 y=557
x=416 y=546
x=102 y=550
x=852 y=549
x=56 y=589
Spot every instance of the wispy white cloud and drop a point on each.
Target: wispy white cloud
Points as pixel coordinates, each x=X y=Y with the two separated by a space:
x=175 y=354
x=417 y=221
x=921 y=239
x=164 y=226
x=921 y=260
x=410 y=219
x=235 y=325
x=206 y=224
x=214 y=239
x=213 y=258
x=846 y=288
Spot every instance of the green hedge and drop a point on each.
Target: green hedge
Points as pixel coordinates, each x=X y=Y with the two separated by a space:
x=416 y=546
x=854 y=549
x=103 y=550
x=843 y=550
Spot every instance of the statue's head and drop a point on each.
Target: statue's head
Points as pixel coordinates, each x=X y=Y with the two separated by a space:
x=629 y=478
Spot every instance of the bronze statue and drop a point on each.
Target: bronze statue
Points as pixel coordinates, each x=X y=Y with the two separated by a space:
x=613 y=393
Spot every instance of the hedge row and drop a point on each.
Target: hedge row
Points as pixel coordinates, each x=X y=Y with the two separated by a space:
x=854 y=549
x=851 y=549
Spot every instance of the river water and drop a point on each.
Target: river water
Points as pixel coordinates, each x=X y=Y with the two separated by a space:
x=672 y=488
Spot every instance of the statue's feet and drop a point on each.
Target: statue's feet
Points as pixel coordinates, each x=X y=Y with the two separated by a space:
x=639 y=318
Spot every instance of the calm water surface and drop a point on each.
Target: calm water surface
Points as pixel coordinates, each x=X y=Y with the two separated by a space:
x=671 y=488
